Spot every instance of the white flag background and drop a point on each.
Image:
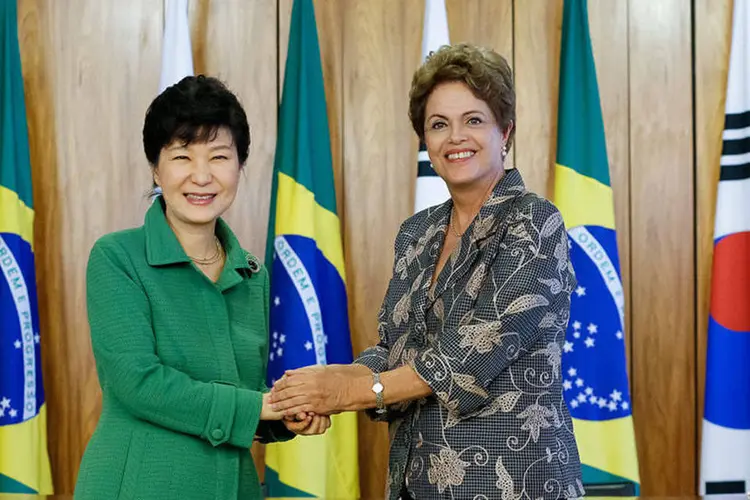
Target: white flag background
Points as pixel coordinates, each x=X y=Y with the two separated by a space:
x=177 y=54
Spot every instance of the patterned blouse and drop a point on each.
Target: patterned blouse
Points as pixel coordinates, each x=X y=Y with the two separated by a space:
x=488 y=340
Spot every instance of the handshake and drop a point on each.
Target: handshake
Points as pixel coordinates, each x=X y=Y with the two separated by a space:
x=304 y=399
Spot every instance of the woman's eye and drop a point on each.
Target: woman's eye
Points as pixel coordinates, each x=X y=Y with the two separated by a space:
x=438 y=125
x=474 y=120
x=220 y=157
x=180 y=157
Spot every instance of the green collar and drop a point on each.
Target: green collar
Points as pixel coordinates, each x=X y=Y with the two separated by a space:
x=163 y=248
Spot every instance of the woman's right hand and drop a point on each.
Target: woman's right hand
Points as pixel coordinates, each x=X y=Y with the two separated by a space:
x=266 y=412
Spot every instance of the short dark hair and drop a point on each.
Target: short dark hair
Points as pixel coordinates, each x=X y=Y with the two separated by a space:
x=193 y=110
x=484 y=71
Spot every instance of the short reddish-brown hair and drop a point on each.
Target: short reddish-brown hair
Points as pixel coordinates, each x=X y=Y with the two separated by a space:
x=484 y=71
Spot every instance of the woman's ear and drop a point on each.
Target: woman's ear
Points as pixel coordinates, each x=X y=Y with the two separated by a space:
x=507 y=131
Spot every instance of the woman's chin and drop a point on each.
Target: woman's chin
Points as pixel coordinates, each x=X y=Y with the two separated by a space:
x=462 y=181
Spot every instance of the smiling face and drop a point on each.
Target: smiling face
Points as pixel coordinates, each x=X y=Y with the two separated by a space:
x=198 y=180
x=463 y=138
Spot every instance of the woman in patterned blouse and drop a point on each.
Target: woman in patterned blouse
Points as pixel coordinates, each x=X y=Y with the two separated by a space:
x=468 y=368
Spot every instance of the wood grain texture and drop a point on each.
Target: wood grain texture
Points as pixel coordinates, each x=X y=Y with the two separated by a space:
x=713 y=28
x=662 y=229
x=536 y=49
x=608 y=25
x=382 y=44
x=63 y=434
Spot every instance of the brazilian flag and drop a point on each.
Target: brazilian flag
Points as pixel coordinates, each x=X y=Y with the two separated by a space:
x=24 y=464
x=308 y=320
x=595 y=377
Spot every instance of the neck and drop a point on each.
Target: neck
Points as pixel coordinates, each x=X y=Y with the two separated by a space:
x=469 y=200
x=196 y=240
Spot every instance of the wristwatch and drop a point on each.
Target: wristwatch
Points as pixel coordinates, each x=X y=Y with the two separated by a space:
x=377 y=388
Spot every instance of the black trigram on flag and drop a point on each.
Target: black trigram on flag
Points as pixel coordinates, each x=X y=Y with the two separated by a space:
x=735 y=151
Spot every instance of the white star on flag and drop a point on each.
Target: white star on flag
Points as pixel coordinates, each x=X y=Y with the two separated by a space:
x=618 y=335
x=580 y=291
x=2 y=413
x=577 y=325
x=276 y=301
x=574 y=404
x=577 y=334
x=279 y=352
x=589 y=342
x=568 y=347
x=282 y=339
x=5 y=403
x=612 y=406
x=572 y=372
x=271 y=356
x=616 y=395
x=308 y=345
x=625 y=405
x=12 y=413
x=581 y=397
x=602 y=402
x=592 y=400
x=36 y=338
x=17 y=344
x=579 y=382
x=567 y=385
x=275 y=335
x=589 y=391
x=592 y=328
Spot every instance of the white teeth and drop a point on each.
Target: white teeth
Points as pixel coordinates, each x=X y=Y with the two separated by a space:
x=462 y=154
x=200 y=197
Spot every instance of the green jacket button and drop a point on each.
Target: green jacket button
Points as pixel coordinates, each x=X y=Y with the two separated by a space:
x=217 y=434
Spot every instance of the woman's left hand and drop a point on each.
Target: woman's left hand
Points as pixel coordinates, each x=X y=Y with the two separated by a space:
x=323 y=390
x=308 y=425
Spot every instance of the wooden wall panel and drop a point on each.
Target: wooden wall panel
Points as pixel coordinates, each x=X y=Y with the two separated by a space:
x=381 y=51
x=536 y=49
x=60 y=388
x=483 y=22
x=662 y=229
x=713 y=28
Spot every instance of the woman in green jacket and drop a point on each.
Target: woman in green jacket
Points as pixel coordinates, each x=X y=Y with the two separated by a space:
x=178 y=314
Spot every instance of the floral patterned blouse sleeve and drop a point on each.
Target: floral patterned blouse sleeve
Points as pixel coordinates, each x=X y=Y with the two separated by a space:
x=376 y=358
x=506 y=306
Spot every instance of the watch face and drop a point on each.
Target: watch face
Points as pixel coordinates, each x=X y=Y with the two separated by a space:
x=377 y=388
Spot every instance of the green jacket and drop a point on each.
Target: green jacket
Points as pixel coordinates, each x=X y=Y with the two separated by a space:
x=182 y=365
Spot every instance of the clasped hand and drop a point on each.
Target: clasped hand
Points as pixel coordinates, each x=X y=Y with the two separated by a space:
x=320 y=390
x=304 y=424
